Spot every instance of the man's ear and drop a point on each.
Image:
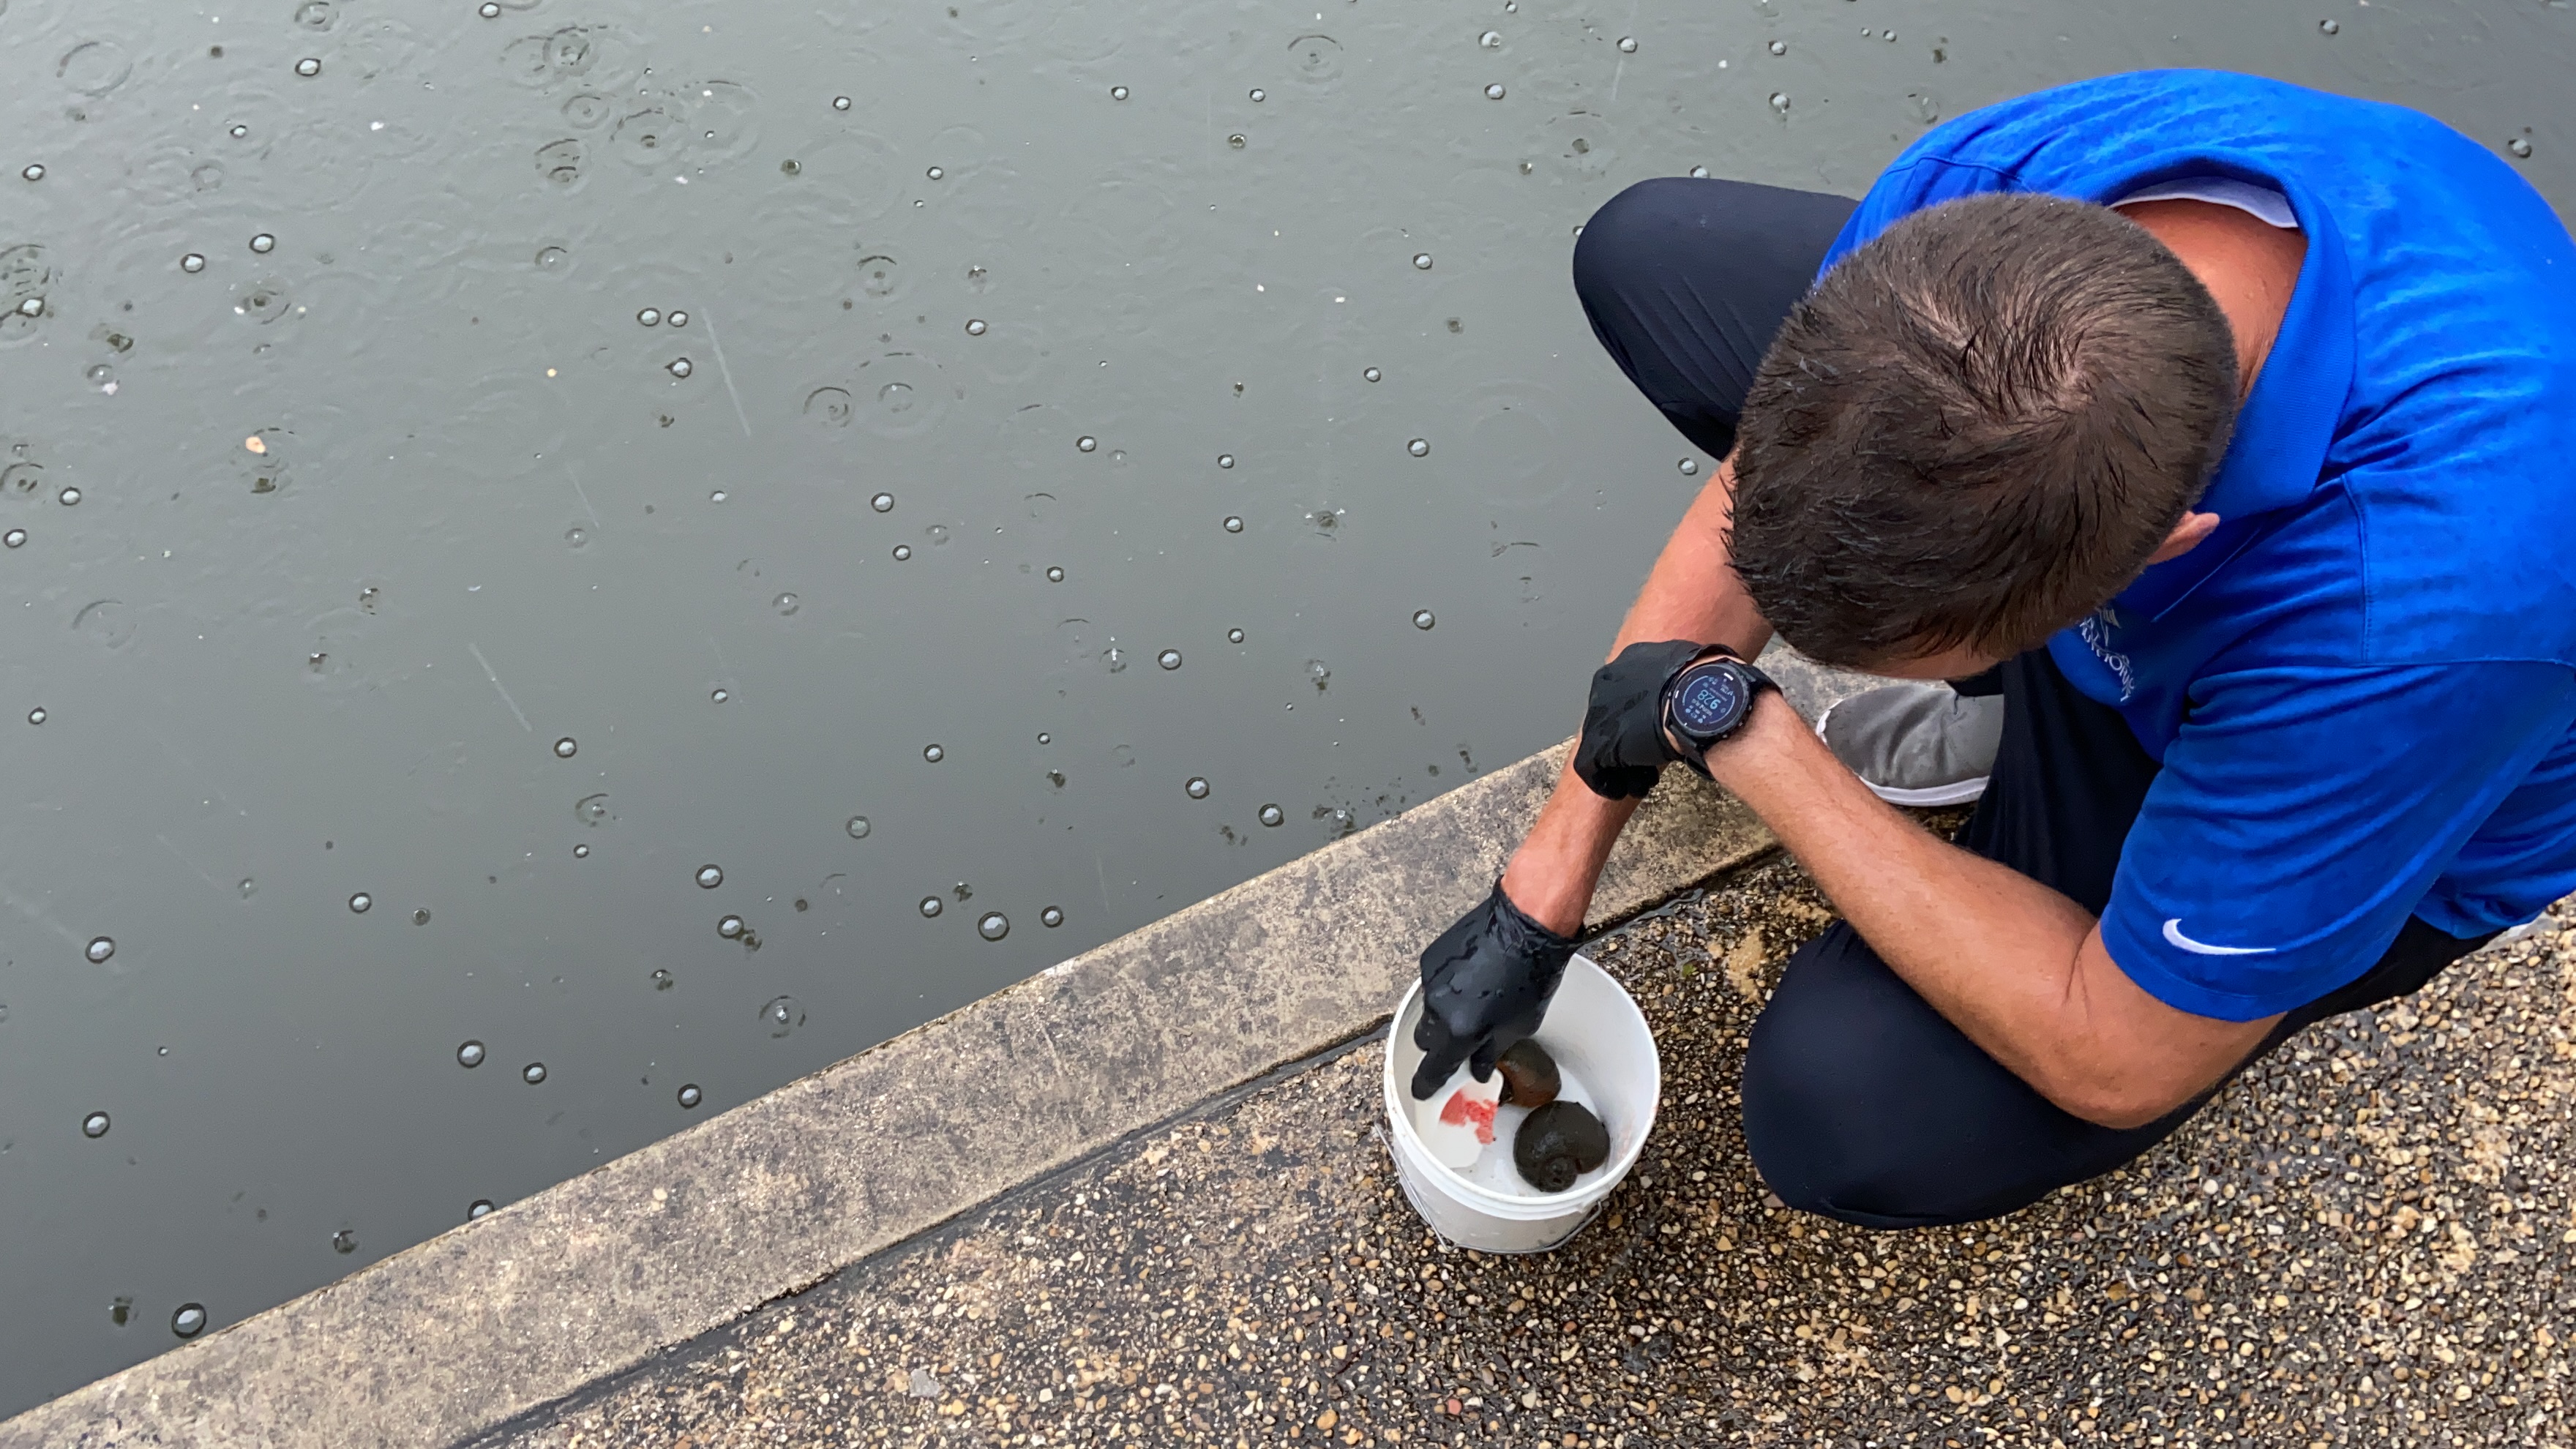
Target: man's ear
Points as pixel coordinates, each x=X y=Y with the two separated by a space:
x=2185 y=537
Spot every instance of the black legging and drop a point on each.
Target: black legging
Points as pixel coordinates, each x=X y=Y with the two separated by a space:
x=1860 y=1101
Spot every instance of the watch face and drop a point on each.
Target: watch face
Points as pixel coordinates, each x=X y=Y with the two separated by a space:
x=1708 y=702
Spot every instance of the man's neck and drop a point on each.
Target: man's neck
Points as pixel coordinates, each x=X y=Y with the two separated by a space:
x=2249 y=265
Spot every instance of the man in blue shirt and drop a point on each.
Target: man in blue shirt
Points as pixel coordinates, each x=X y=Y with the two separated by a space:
x=2215 y=426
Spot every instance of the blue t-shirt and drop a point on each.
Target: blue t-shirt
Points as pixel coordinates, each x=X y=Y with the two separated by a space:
x=2360 y=687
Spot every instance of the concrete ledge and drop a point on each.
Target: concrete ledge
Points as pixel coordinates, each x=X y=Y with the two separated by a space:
x=589 y=1278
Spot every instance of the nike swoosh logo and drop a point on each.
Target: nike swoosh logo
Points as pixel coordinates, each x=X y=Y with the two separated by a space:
x=2173 y=933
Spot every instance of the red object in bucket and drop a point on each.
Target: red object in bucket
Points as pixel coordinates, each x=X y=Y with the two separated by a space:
x=1462 y=1109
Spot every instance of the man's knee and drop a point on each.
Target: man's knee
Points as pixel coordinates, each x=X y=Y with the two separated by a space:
x=1863 y=1105
x=1629 y=237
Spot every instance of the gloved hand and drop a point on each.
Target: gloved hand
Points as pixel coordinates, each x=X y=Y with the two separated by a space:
x=1623 y=750
x=1485 y=986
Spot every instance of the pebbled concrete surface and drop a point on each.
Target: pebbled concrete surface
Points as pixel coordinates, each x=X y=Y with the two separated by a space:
x=2367 y=1240
x=494 y=1318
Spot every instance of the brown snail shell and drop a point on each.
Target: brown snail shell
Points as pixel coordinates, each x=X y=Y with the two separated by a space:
x=1529 y=1075
x=1558 y=1143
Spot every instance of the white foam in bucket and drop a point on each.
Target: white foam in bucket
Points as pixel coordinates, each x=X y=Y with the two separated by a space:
x=1607 y=1060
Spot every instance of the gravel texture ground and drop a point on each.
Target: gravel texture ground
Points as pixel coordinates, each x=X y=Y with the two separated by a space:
x=2366 y=1240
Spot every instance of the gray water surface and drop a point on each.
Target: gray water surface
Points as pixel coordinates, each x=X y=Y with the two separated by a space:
x=439 y=638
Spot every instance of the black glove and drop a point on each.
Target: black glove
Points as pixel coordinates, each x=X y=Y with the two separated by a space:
x=1623 y=750
x=1485 y=986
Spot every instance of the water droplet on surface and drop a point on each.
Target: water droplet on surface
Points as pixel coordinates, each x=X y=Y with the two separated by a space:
x=533 y=1073
x=308 y=67
x=1169 y=659
x=121 y=1312
x=1235 y=140
x=716 y=497
x=565 y=749
x=730 y=928
x=859 y=827
x=782 y=1015
x=189 y=1321
x=1491 y=40
x=1273 y=815
x=1051 y=917
x=882 y=503
x=1197 y=787
x=1779 y=100
x=1055 y=575
x=420 y=917
x=690 y=1096
x=552 y=258
x=1234 y=636
x=709 y=877
x=100 y=948
x=902 y=551
x=263 y=243
x=470 y=1055
x=1259 y=95
x=975 y=327
x=481 y=1207
x=34 y=172
x=2330 y=27
x=2519 y=147
x=786 y=604
x=721 y=695
x=1689 y=467
x=344 y=1241
x=650 y=317
x=1422 y=619
x=240 y=131
x=1494 y=92
x=192 y=263
x=1779 y=47
x=1419 y=447
x=1234 y=525
x=680 y=367
x=489 y=10
x=14 y=538
x=840 y=103
x=581 y=852
x=361 y=903
x=931 y=906
x=933 y=753
x=32 y=307
x=576 y=535
x=94 y=1125
x=1371 y=374
x=661 y=979
x=1422 y=261
x=249 y=888
x=1225 y=460
x=1117 y=93
x=994 y=926
x=36 y=716
x=1627 y=45
x=1085 y=444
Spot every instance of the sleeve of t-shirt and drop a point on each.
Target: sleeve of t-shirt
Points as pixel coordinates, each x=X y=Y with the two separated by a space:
x=2301 y=815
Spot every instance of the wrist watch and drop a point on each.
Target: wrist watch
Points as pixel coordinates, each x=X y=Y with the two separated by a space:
x=1709 y=699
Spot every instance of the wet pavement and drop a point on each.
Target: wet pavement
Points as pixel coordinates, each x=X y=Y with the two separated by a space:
x=2367 y=1240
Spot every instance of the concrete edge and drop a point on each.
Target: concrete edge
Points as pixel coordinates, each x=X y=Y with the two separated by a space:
x=488 y=1321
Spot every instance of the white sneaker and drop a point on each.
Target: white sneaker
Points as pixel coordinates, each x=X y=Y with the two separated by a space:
x=1917 y=743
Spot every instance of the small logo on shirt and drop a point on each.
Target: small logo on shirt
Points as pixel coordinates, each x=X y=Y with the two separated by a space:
x=2095 y=631
x=2173 y=933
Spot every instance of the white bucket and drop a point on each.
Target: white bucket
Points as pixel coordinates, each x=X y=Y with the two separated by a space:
x=1607 y=1059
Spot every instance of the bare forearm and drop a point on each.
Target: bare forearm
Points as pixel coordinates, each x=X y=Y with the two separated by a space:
x=1990 y=948
x=1692 y=593
x=2017 y=967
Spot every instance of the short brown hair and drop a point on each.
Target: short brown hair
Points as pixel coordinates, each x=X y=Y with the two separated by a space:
x=1976 y=429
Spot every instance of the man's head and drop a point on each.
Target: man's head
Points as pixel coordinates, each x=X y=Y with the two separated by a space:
x=1978 y=428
